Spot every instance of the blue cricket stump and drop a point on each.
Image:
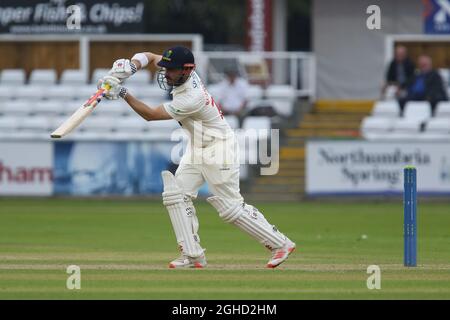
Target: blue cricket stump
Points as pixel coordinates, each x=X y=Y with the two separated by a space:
x=410 y=216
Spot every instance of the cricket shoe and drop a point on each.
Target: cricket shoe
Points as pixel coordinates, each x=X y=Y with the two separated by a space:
x=184 y=261
x=281 y=254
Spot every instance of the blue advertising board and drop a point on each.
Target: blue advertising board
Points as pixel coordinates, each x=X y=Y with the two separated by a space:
x=111 y=168
x=436 y=16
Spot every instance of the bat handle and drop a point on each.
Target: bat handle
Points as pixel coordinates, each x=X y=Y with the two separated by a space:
x=105 y=88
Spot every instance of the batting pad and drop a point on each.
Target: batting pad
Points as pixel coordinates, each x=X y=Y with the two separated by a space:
x=182 y=215
x=250 y=220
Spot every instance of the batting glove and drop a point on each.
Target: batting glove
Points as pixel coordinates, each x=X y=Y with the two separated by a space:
x=122 y=69
x=115 y=91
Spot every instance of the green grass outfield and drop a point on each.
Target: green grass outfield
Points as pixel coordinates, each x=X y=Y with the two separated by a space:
x=123 y=248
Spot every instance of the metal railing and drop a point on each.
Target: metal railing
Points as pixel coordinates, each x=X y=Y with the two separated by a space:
x=297 y=69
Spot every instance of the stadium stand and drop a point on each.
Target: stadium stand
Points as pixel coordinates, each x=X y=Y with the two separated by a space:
x=385 y=122
x=30 y=110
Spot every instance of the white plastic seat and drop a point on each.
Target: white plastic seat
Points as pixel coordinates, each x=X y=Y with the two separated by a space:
x=148 y=92
x=17 y=108
x=407 y=126
x=73 y=77
x=35 y=124
x=419 y=110
x=61 y=92
x=254 y=92
x=43 y=77
x=50 y=108
x=130 y=124
x=31 y=92
x=12 y=77
x=9 y=124
x=214 y=89
x=233 y=121
x=163 y=125
x=140 y=78
x=406 y=129
x=97 y=124
x=437 y=129
x=84 y=92
x=8 y=92
x=434 y=137
x=282 y=106
x=441 y=125
x=414 y=115
x=280 y=92
x=111 y=108
x=443 y=109
x=260 y=125
x=57 y=120
x=373 y=128
x=256 y=123
x=386 y=109
x=98 y=74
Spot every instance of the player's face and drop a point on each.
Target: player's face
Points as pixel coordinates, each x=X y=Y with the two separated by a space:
x=173 y=76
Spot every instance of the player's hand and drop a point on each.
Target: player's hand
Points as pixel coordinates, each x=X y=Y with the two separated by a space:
x=122 y=69
x=115 y=91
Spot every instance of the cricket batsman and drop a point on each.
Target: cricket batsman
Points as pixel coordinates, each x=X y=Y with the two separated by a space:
x=211 y=156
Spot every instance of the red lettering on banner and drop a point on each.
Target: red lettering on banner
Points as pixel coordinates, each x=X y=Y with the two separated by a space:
x=25 y=175
x=259 y=25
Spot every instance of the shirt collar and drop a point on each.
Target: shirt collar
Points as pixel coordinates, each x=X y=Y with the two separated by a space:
x=181 y=88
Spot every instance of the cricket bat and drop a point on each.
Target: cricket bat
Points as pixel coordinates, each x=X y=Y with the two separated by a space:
x=78 y=116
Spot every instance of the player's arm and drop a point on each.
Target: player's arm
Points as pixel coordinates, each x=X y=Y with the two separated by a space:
x=116 y=91
x=146 y=112
x=142 y=59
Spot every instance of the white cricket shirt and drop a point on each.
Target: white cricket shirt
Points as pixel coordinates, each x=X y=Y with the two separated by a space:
x=194 y=108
